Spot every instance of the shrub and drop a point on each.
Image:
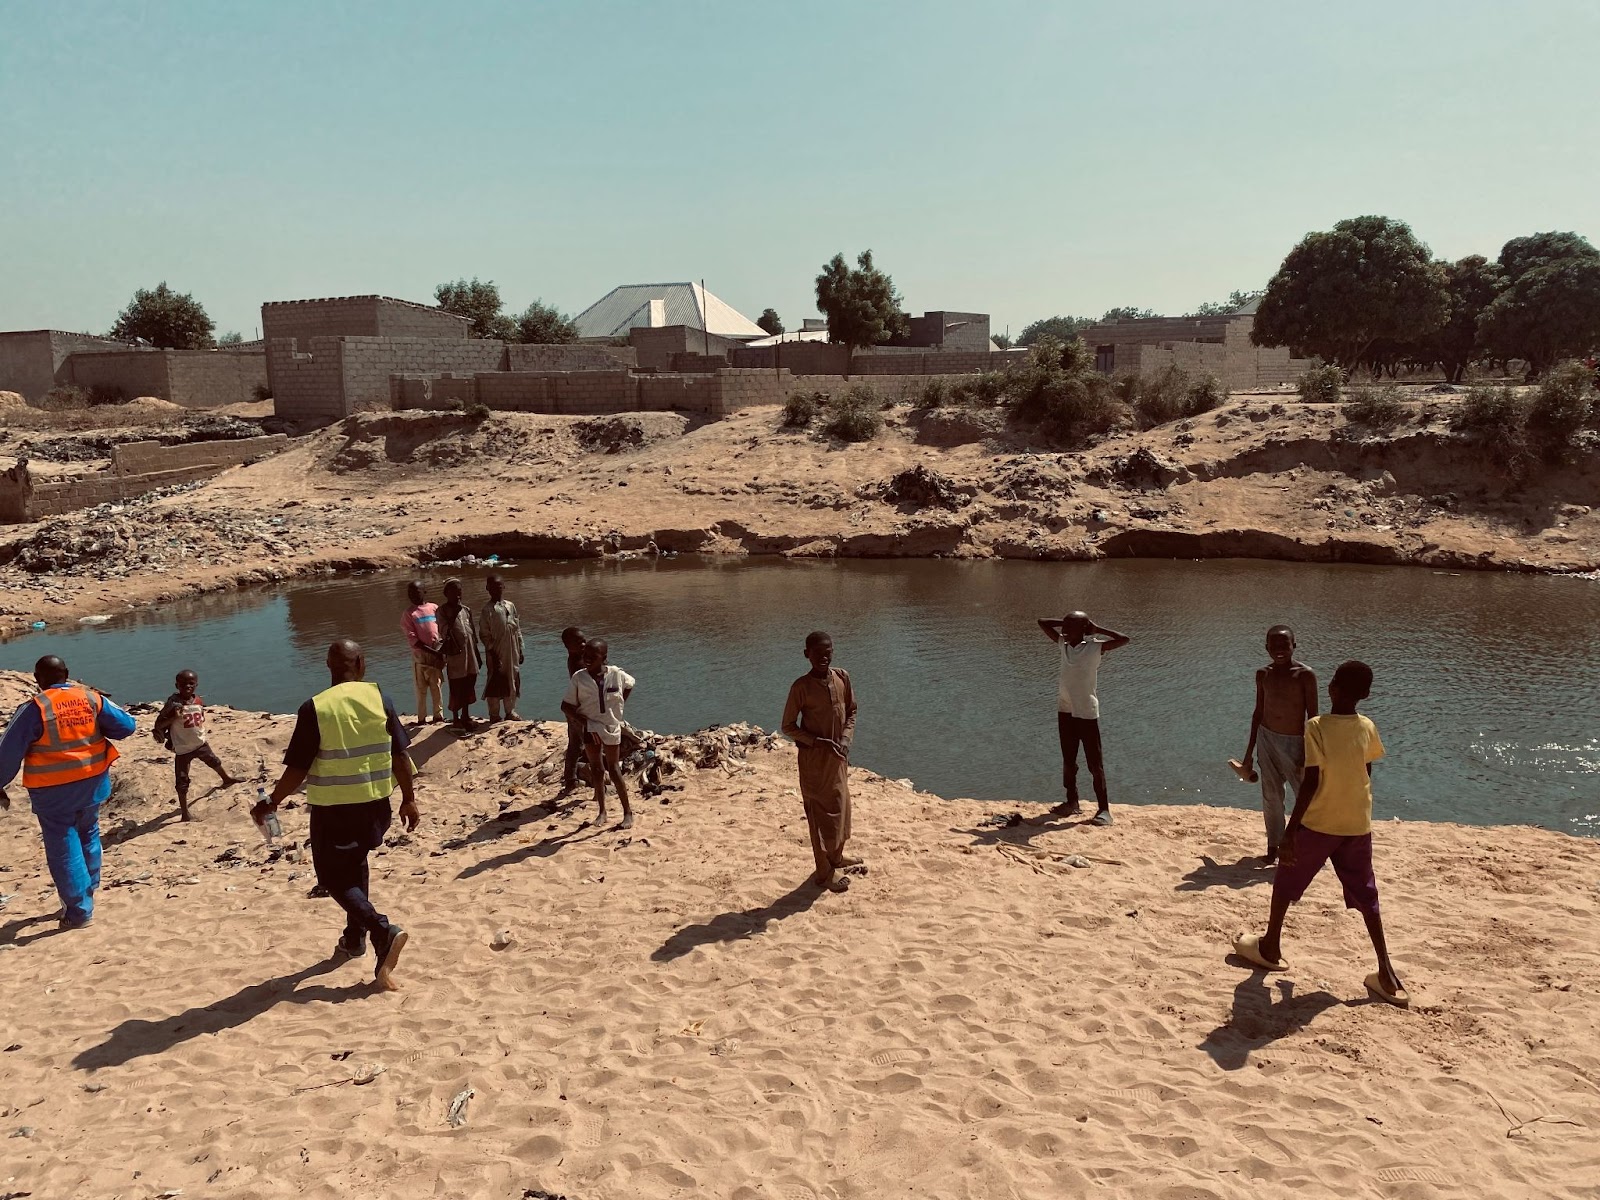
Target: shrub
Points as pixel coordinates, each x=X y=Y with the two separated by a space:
x=935 y=393
x=855 y=415
x=801 y=408
x=984 y=390
x=261 y=392
x=1069 y=407
x=65 y=396
x=478 y=412
x=1205 y=394
x=1497 y=419
x=103 y=394
x=1320 y=384
x=1376 y=408
x=1561 y=406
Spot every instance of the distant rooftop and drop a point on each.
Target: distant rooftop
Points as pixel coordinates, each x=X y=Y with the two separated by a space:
x=434 y=308
x=655 y=305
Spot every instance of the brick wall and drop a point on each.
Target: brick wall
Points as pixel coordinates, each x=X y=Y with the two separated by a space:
x=135 y=372
x=307 y=380
x=31 y=360
x=655 y=347
x=1237 y=364
x=353 y=316
x=539 y=357
x=367 y=363
x=137 y=468
x=951 y=331
x=213 y=378
x=144 y=458
x=825 y=358
x=397 y=319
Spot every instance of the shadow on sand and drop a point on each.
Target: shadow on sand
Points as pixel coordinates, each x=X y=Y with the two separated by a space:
x=136 y=1038
x=737 y=926
x=542 y=849
x=1257 y=1020
x=1247 y=872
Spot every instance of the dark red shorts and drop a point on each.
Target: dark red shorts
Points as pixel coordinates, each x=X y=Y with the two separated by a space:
x=1352 y=863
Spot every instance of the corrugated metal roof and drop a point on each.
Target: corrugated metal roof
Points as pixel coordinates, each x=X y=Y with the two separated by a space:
x=628 y=307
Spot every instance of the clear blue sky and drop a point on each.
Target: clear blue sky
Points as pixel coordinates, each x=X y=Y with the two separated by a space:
x=1020 y=159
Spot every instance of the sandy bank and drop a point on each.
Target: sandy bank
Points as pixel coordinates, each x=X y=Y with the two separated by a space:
x=676 y=1016
x=1263 y=477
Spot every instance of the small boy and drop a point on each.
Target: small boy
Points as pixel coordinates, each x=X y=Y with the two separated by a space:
x=1332 y=821
x=1083 y=644
x=181 y=727
x=596 y=694
x=1286 y=698
x=572 y=639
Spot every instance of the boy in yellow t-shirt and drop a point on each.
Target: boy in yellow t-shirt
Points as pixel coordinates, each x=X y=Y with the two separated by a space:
x=1332 y=821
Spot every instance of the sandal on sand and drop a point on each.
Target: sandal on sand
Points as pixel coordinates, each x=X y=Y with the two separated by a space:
x=1400 y=999
x=1101 y=818
x=1248 y=947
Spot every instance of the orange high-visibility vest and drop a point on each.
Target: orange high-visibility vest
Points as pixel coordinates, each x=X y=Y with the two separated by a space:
x=71 y=747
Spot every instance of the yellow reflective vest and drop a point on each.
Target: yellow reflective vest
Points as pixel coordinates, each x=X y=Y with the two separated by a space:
x=354 y=763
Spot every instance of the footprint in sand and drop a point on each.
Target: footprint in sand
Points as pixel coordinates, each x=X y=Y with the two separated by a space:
x=1142 y=1094
x=589 y=1129
x=1412 y=1175
x=889 y=1058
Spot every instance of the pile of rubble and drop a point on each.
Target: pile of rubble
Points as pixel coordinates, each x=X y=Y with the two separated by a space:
x=116 y=540
x=922 y=488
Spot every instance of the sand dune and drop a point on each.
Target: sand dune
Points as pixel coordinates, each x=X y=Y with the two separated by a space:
x=677 y=1016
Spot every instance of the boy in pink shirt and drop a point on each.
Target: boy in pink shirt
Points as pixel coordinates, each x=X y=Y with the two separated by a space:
x=421 y=626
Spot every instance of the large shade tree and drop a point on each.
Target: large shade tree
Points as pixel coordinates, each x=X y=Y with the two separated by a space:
x=1340 y=291
x=770 y=321
x=1549 y=308
x=1473 y=283
x=164 y=318
x=861 y=304
x=1064 y=329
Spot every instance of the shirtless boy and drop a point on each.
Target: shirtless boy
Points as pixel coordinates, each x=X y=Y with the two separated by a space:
x=1286 y=698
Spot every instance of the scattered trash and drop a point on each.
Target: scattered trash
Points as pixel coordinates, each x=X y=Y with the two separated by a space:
x=97 y=619
x=94 y=1087
x=457 y=1116
x=24 y=1131
x=366 y=1073
x=501 y=940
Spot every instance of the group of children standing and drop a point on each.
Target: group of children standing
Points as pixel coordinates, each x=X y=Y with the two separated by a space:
x=1325 y=759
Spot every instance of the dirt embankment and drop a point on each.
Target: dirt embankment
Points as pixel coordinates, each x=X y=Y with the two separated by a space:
x=1263 y=476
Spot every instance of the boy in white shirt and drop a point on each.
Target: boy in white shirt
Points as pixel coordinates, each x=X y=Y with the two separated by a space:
x=596 y=695
x=182 y=728
x=1082 y=643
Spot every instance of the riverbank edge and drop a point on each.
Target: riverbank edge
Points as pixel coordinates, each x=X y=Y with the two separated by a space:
x=734 y=540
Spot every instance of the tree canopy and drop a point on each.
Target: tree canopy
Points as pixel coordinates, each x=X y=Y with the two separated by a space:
x=1220 y=308
x=479 y=302
x=545 y=324
x=165 y=319
x=232 y=338
x=1472 y=283
x=1128 y=313
x=1062 y=328
x=1549 y=308
x=861 y=305
x=770 y=321
x=1339 y=291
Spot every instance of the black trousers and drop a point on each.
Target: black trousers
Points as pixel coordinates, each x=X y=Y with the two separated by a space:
x=180 y=767
x=1081 y=731
x=569 y=766
x=342 y=835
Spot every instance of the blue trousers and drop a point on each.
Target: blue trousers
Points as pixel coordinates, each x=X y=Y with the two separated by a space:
x=72 y=850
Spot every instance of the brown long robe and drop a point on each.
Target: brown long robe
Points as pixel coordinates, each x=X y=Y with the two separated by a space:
x=823 y=708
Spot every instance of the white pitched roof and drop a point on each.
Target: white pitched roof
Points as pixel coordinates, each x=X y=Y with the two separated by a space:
x=652 y=305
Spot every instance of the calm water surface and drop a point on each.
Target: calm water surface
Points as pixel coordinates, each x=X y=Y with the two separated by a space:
x=1485 y=693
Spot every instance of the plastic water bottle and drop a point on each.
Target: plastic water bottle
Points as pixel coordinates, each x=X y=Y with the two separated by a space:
x=266 y=820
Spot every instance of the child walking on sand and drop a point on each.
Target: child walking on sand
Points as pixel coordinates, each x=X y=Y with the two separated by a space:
x=1332 y=821
x=1286 y=698
x=596 y=695
x=182 y=728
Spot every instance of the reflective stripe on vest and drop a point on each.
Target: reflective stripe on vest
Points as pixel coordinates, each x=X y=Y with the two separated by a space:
x=71 y=747
x=354 y=760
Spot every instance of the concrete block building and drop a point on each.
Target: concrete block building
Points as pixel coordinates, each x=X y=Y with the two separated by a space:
x=32 y=362
x=1218 y=346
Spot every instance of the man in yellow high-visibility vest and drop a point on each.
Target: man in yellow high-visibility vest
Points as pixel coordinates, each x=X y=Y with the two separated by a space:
x=349 y=751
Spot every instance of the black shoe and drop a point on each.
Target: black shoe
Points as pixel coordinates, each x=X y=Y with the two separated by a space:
x=387 y=945
x=349 y=947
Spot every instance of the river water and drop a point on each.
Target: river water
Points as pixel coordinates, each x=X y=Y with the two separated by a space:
x=1485 y=692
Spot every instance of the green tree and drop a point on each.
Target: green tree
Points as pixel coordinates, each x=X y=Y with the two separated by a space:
x=1549 y=308
x=1340 y=291
x=1473 y=283
x=1128 y=313
x=770 y=321
x=1063 y=329
x=1003 y=340
x=232 y=338
x=1222 y=308
x=165 y=319
x=861 y=305
x=479 y=302
x=545 y=324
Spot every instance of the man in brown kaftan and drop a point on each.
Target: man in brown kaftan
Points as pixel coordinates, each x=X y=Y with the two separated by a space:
x=820 y=717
